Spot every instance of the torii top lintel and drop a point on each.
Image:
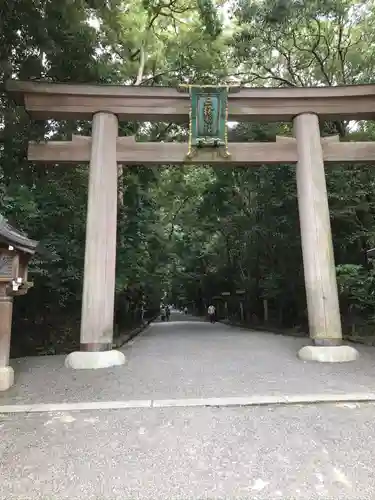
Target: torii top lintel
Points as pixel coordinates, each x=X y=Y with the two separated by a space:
x=45 y=100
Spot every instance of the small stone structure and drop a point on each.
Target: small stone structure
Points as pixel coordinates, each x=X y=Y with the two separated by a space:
x=16 y=249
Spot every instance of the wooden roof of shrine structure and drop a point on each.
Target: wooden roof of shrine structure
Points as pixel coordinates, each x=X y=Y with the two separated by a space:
x=9 y=235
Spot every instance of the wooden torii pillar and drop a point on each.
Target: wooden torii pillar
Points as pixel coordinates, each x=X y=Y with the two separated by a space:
x=317 y=248
x=100 y=251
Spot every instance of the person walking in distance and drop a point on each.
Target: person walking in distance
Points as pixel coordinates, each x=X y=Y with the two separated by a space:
x=162 y=312
x=211 y=313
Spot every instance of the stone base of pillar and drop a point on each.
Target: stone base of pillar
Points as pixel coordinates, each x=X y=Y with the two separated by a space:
x=327 y=342
x=328 y=354
x=80 y=360
x=6 y=377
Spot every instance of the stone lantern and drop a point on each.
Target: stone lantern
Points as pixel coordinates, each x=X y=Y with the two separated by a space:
x=16 y=250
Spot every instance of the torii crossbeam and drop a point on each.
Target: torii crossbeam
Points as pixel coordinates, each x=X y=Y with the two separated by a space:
x=129 y=152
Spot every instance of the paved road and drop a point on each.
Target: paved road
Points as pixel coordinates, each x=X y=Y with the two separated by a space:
x=315 y=452
x=192 y=359
x=260 y=453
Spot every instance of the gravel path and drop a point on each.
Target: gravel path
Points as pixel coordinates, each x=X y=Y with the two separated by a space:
x=192 y=359
x=315 y=452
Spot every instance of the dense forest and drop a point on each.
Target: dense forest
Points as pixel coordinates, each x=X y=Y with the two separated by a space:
x=194 y=232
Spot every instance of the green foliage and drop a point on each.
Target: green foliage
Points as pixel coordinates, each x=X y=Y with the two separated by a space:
x=141 y=42
x=210 y=18
x=249 y=230
x=190 y=232
x=293 y=43
x=356 y=287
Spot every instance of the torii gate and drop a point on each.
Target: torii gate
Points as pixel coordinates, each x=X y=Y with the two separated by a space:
x=106 y=104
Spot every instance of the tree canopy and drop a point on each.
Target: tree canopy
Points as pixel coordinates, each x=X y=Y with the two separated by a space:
x=186 y=234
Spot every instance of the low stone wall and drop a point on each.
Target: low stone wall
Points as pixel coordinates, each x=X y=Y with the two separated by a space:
x=291 y=332
x=126 y=336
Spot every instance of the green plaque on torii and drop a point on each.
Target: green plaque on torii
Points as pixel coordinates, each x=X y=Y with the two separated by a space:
x=208 y=124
